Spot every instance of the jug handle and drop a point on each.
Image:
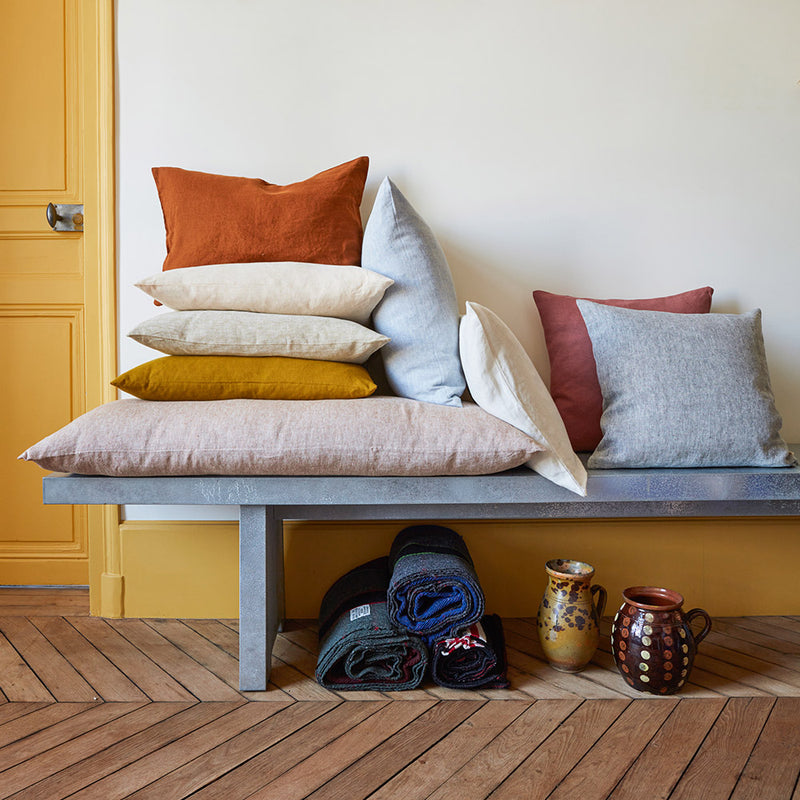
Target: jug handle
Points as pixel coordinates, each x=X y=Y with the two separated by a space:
x=699 y=612
x=600 y=603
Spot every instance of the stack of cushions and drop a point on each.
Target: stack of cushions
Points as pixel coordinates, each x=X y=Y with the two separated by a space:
x=378 y=622
x=259 y=313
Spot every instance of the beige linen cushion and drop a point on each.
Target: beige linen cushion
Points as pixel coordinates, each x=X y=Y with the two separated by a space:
x=246 y=333
x=503 y=381
x=369 y=436
x=280 y=287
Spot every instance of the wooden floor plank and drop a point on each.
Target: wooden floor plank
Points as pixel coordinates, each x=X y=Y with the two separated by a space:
x=24 y=752
x=422 y=777
x=10 y=711
x=114 y=759
x=715 y=769
x=780 y=666
x=173 y=755
x=394 y=754
x=108 y=682
x=599 y=771
x=732 y=627
x=18 y=681
x=771 y=626
x=44 y=601
x=483 y=773
x=268 y=764
x=194 y=677
x=773 y=768
x=550 y=762
x=317 y=769
x=768 y=678
x=20 y=781
x=148 y=676
x=662 y=762
x=39 y=717
x=57 y=674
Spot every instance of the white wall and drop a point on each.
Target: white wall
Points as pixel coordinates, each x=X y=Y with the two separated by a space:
x=624 y=148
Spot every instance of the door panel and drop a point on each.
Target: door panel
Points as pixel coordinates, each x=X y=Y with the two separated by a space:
x=49 y=147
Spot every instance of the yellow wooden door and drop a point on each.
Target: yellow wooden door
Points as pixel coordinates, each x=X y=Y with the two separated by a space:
x=56 y=288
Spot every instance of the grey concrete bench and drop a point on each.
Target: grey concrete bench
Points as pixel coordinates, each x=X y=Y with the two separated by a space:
x=265 y=502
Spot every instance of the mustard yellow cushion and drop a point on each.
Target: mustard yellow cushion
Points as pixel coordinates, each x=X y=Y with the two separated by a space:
x=232 y=377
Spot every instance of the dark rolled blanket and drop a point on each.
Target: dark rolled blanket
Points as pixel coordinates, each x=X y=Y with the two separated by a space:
x=359 y=648
x=433 y=587
x=472 y=657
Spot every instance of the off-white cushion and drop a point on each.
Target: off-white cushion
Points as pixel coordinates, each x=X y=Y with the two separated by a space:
x=278 y=287
x=247 y=333
x=369 y=436
x=503 y=381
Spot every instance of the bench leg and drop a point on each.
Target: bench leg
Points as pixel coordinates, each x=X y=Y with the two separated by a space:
x=261 y=604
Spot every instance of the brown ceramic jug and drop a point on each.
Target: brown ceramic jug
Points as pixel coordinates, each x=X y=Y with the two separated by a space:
x=568 y=619
x=653 y=645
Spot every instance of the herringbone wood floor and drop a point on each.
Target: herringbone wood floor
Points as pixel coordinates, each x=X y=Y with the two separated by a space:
x=95 y=708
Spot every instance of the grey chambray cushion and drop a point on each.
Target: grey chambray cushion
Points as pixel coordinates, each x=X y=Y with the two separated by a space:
x=683 y=390
x=420 y=313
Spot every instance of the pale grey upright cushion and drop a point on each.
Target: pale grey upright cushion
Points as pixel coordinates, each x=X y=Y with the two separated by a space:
x=419 y=312
x=683 y=390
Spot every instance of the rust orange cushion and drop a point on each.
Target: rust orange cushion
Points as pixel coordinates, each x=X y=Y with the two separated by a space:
x=574 y=385
x=221 y=219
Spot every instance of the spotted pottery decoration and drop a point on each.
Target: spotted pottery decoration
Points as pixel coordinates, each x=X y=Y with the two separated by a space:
x=568 y=616
x=653 y=645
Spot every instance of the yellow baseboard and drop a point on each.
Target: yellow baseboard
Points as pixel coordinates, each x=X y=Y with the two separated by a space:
x=730 y=567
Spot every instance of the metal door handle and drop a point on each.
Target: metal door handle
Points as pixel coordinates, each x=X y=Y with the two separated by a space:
x=65 y=217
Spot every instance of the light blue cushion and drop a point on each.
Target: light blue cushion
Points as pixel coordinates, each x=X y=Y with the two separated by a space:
x=683 y=390
x=419 y=313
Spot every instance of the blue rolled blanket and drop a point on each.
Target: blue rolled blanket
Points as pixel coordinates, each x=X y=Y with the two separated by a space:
x=433 y=587
x=472 y=657
x=359 y=648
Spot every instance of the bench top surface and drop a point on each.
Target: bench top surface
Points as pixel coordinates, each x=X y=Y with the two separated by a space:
x=628 y=492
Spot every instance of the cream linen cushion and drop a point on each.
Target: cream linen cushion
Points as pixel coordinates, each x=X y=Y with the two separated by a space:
x=503 y=381
x=280 y=287
x=246 y=333
x=370 y=436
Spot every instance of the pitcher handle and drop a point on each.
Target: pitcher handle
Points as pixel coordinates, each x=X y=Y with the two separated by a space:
x=699 y=612
x=600 y=603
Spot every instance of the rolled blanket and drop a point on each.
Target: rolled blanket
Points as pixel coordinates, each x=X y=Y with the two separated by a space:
x=472 y=657
x=359 y=648
x=433 y=587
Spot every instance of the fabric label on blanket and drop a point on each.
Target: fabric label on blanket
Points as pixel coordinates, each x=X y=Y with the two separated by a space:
x=473 y=636
x=359 y=611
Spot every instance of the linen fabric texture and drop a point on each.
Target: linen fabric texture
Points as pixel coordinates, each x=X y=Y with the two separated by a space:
x=273 y=288
x=419 y=312
x=433 y=587
x=473 y=657
x=683 y=390
x=217 y=219
x=370 y=436
x=233 y=377
x=359 y=648
x=503 y=381
x=246 y=333
x=573 y=376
